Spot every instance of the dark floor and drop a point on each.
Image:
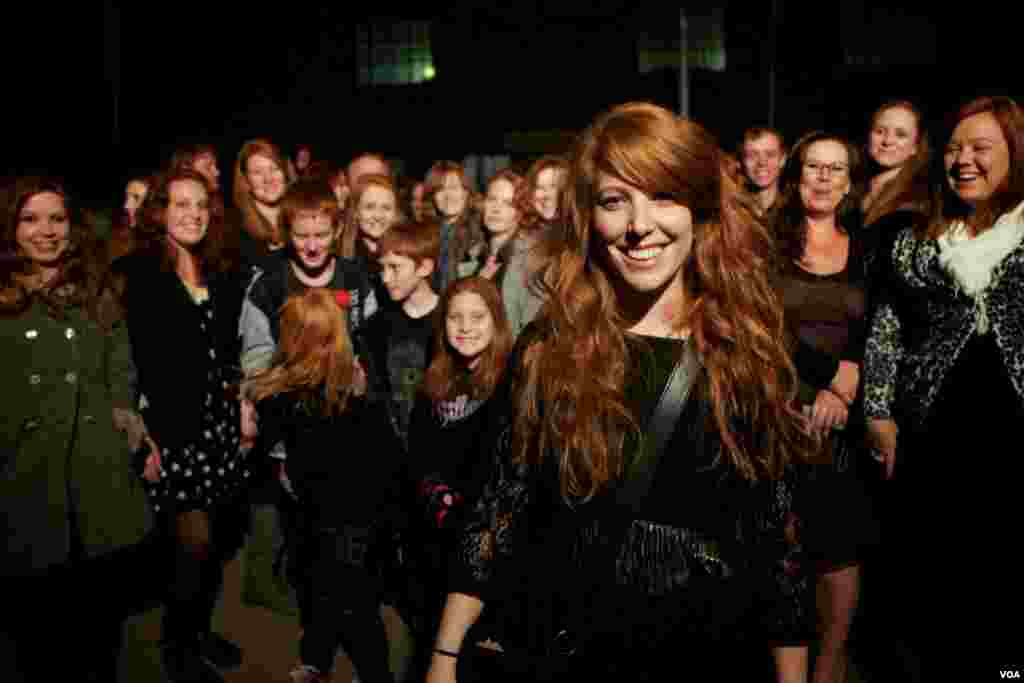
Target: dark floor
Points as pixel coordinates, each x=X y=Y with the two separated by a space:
x=269 y=640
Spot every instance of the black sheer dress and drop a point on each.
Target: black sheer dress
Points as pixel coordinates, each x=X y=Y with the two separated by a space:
x=828 y=313
x=700 y=574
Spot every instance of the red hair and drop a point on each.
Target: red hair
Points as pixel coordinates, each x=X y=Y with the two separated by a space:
x=532 y=220
x=215 y=253
x=731 y=310
x=1010 y=118
x=518 y=184
x=416 y=241
x=254 y=223
x=350 y=233
x=434 y=181
x=314 y=356
x=911 y=186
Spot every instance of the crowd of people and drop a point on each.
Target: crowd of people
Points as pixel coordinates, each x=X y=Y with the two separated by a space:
x=649 y=407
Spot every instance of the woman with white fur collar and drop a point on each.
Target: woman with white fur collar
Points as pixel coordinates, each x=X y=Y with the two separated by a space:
x=944 y=380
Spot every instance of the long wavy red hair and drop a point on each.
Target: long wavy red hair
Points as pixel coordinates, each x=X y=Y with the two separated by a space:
x=314 y=356
x=570 y=394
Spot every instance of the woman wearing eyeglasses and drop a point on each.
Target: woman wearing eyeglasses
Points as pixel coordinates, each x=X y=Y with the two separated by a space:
x=823 y=287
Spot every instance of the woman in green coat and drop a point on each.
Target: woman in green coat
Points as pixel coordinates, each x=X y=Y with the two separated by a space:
x=72 y=510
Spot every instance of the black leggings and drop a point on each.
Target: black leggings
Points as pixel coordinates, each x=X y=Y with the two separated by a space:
x=340 y=603
x=203 y=541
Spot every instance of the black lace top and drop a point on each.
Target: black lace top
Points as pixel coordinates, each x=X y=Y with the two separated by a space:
x=704 y=557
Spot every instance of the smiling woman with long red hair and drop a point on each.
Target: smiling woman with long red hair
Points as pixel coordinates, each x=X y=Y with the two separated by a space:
x=660 y=260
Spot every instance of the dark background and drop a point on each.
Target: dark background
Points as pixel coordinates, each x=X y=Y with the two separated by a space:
x=96 y=93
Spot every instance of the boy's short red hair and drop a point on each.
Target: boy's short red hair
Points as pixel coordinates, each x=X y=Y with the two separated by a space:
x=417 y=241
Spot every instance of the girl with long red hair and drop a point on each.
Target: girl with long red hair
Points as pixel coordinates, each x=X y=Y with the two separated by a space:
x=347 y=500
x=660 y=261
x=448 y=422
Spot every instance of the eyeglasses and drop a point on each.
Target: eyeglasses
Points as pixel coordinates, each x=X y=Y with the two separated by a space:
x=816 y=168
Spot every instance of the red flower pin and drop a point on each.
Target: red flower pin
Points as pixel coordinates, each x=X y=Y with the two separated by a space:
x=343 y=298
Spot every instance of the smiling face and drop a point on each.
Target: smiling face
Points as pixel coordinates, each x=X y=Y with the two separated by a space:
x=501 y=216
x=545 y=192
x=469 y=326
x=188 y=213
x=451 y=197
x=644 y=240
x=894 y=137
x=265 y=178
x=43 y=229
x=763 y=160
x=312 y=235
x=977 y=158
x=825 y=177
x=375 y=214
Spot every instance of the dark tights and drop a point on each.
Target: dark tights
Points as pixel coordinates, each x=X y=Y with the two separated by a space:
x=340 y=602
x=203 y=542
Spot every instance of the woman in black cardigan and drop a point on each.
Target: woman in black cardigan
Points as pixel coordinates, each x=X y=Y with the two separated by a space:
x=944 y=394
x=182 y=302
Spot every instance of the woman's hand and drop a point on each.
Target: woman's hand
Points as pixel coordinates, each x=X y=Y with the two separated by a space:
x=846 y=381
x=828 y=412
x=249 y=426
x=151 y=470
x=882 y=437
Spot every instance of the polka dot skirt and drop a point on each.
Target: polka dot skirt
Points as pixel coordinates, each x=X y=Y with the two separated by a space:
x=211 y=468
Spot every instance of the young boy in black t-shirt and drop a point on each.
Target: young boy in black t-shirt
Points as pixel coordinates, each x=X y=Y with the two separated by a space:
x=400 y=337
